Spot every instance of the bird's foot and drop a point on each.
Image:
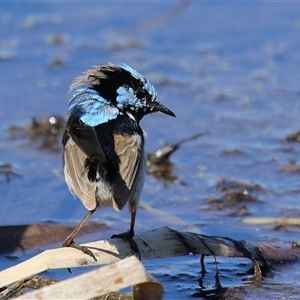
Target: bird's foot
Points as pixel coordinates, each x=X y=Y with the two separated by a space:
x=85 y=250
x=128 y=236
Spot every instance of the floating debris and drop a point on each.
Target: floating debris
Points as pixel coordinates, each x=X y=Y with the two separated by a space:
x=57 y=62
x=232 y=199
x=292 y=137
x=45 y=133
x=57 y=39
x=159 y=164
x=225 y=185
x=236 y=194
x=291 y=167
x=6 y=169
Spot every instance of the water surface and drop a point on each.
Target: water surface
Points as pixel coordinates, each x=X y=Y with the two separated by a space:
x=229 y=68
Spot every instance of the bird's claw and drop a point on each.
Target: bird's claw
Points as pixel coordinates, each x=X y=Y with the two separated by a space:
x=85 y=250
x=128 y=236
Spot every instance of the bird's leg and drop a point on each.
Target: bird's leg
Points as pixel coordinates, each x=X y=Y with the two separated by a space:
x=69 y=242
x=132 y=222
x=128 y=235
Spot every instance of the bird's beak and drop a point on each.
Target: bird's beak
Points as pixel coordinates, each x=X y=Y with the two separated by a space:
x=163 y=109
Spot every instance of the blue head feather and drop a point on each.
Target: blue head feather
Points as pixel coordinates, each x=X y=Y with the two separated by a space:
x=94 y=109
x=95 y=104
x=147 y=85
x=126 y=97
x=133 y=72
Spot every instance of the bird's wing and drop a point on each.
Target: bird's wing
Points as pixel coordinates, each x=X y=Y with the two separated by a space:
x=85 y=137
x=93 y=109
x=76 y=176
x=130 y=150
x=81 y=142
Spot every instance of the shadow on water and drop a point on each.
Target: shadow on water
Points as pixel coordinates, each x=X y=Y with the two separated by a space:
x=21 y=238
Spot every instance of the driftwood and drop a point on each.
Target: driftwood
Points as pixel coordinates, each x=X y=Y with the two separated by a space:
x=272 y=221
x=160 y=243
x=102 y=281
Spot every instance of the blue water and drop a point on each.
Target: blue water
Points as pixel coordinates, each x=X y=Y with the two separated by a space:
x=230 y=68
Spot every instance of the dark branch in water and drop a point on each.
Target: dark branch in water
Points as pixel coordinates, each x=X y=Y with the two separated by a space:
x=159 y=21
x=159 y=164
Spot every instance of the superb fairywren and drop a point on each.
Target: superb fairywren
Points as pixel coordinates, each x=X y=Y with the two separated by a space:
x=104 y=156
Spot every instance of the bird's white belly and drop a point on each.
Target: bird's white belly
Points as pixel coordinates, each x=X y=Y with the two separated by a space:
x=103 y=194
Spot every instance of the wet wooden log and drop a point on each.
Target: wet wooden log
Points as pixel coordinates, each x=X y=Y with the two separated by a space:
x=160 y=243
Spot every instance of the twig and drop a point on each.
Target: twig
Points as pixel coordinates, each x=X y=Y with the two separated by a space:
x=160 y=21
x=273 y=221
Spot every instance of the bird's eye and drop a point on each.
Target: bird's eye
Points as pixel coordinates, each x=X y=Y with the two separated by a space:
x=140 y=93
x=131 y=108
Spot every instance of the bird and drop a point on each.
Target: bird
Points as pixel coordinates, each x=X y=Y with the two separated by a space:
x=104 y=160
